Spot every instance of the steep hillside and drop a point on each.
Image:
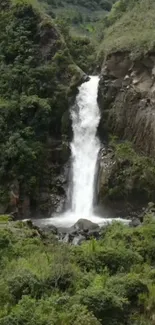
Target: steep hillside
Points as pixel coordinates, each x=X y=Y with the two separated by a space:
x=130 y=27
x=82 y=16
x=37 y=76
x=127 y=97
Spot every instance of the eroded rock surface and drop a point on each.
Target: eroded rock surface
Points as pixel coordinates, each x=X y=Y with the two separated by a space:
x=127 y=99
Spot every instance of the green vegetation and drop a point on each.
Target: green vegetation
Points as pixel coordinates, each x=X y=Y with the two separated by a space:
x=45 y=282
x=129 y=28
x=82 y=16
x=119 y=25
x=37 y=74
x=110 y=281
x=133 y=175
x=90 y=4
x=81 y=48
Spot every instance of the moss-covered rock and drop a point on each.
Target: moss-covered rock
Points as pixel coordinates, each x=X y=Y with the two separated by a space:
x=128 y=176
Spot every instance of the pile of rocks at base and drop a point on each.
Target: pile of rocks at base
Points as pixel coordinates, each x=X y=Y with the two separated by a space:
x=82 y=230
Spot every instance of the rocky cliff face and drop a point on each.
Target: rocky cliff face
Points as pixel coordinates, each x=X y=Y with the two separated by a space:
x=127 y=102
x=127 y=99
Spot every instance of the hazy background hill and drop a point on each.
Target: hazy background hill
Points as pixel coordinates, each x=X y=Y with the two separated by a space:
x=82 y=16
x=130 y=26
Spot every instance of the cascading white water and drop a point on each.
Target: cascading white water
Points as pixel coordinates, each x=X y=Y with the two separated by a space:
x=85 y=147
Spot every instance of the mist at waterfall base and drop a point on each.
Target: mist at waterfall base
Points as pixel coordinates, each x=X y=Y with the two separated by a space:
x=85 y=146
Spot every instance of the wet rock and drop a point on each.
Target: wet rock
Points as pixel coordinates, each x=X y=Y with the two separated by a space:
x=50 y=229
x=57 y=203
x=84 y=224
x=135 y=222
x=81 y=231
x=93 y=233
x=29 y=223
x=63 y=230
x=66 y=239
x=36 y=231
x=3 y=208
x=78 y=240
x=85 y=78
x=106 y=168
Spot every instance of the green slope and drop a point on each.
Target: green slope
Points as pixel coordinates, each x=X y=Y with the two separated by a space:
x=132 y=27
x=82 y=16
x=37 y=73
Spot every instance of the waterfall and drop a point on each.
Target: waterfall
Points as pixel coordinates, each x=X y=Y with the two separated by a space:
x=85 y=147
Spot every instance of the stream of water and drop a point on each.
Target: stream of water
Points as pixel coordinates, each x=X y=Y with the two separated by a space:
x=85 y=146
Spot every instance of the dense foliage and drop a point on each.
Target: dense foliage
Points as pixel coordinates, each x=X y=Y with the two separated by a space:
x=45 y=282
x=81 y=48
x=82 y=16
x=132 y=177
x=37 y=73
x=90 y=4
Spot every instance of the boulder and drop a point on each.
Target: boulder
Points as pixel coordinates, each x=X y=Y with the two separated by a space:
x=78 y=240
x=81 y=231
x=3 y=208
x=66 y=239
x=135 y=222
x=85 y=225
x=50 y=229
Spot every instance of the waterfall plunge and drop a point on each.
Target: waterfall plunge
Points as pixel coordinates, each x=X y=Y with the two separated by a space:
x=85 y=148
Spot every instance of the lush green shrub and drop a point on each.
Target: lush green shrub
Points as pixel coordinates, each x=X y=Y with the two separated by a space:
x=25 y=283
x=99 y=256
x=4 y=239
x=110 y=308
x=82 y=48
x=129 y=286
x=46 y=282
x=30 y=312
x=133 y=175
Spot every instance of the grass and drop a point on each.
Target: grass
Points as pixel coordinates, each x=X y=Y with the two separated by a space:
x=134 y=31
x=35 y=3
